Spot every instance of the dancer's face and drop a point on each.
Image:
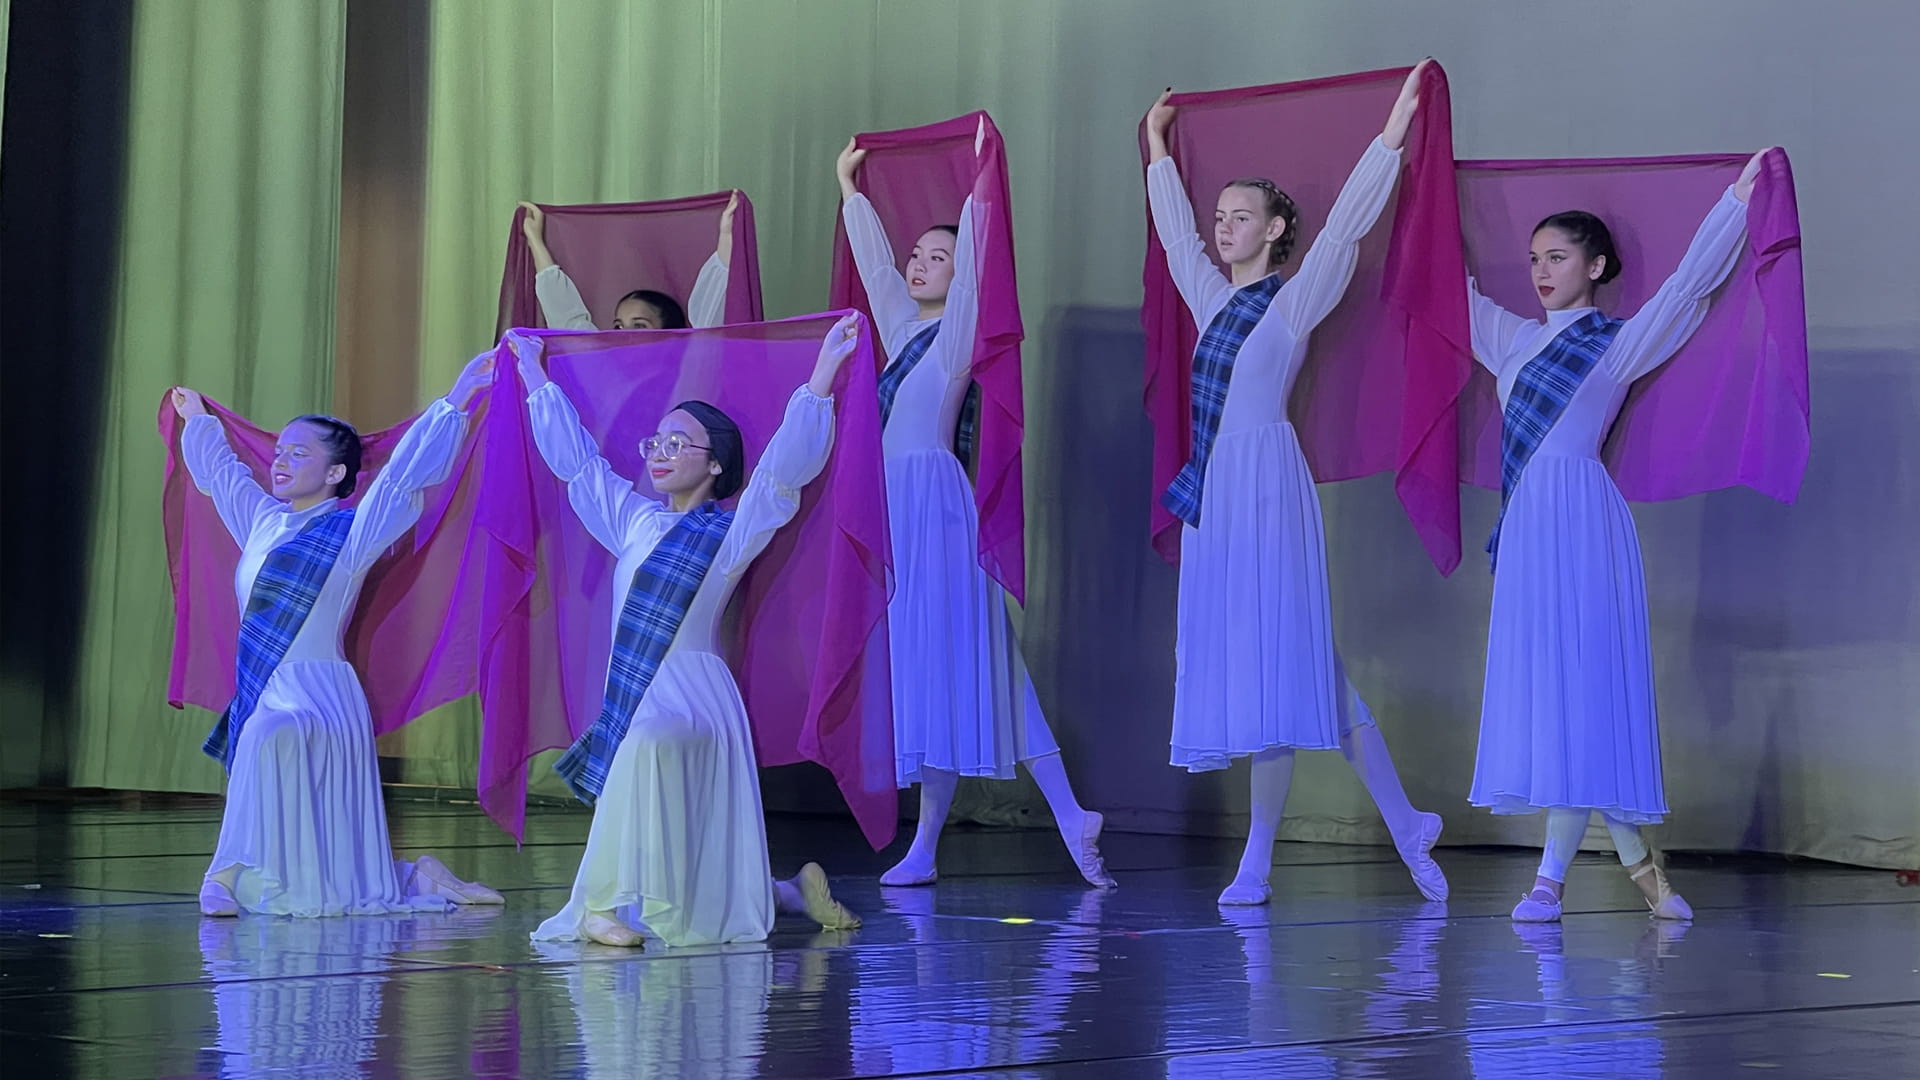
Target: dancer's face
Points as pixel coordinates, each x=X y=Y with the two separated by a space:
x=1563 y=275
x=637 y=314
x=692 y=467
x=303 y=468
x=1242 y=228
x=930 y=267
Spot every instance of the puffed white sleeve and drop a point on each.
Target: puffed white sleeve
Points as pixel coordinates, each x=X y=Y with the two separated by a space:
x=793 y=458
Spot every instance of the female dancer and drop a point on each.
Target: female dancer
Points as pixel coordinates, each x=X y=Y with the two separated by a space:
x=963 y=704
x=641 y=309
x=1567 y=719
x=304 y=831
x=1256 y=670
x=677 y=824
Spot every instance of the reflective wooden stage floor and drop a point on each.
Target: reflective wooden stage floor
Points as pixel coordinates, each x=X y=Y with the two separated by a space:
x=1008 y=968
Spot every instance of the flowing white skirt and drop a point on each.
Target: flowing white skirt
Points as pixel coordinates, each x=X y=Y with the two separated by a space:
x=304 y=821
x=1568 y=716
x=1255 y=667
x=678 y=833
x=962 y=699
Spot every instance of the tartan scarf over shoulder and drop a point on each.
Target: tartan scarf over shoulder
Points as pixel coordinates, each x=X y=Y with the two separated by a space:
x=283 y=595
x=663 y=589
x=1212 y=373
x=1541 y=393
x=966 y=431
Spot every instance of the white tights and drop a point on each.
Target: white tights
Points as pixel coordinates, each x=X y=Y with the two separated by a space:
x=1565 y=827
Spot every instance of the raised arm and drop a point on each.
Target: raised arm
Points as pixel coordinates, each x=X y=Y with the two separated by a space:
x=560 y=302
x=953 y=345
x=604 y=501
x=794 y=456
x=1200 y=282
x=1328 y=266
x=707 y=305
x=1671 y=315
x=217 y=471
x=1494 y=328
x=893 y=306
x=422 y=460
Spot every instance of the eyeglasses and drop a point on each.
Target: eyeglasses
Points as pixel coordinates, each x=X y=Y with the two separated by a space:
x=669 y=448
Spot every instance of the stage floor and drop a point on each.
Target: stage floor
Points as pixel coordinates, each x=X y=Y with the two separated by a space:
x=1008 y=968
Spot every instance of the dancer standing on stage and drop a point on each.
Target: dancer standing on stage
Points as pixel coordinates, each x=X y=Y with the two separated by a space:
x=1257 y=674
x=304 y=831
x=1567 y=720
x=678 y=828
x=963 y=703
x=641 y=309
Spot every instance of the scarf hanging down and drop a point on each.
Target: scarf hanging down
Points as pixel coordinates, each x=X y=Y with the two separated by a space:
x=1212 y=372
x=283 y=595
x=1540 y=396
x=663 y=589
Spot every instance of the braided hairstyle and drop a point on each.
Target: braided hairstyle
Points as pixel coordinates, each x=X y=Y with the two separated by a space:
x=1279 y=205
x=343 y=448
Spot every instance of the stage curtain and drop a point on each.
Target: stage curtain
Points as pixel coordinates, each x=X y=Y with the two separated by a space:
x=225 y=282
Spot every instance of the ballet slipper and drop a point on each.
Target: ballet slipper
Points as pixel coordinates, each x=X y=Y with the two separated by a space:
x=442 y=882
x=602 y=927
x=1246 y=892
x=1086 y=852
x=1538 y=906
x=909 y=873
x=822 y=908
x=1427 y=875
x=216 y=900
x=1661 y=899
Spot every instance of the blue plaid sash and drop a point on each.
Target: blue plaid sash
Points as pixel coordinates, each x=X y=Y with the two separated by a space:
x=1212 y=372
x=283 y=593
x=657 y=601
x=966 y=431
x=1540 y=395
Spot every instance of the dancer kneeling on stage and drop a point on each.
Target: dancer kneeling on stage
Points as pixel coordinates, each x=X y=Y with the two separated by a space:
x=678 y=831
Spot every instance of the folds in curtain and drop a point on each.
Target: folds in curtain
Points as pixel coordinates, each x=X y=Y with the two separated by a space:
x=225 y=277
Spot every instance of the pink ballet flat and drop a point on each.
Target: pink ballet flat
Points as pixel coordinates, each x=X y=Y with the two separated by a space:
x=1669 y=905
x=822 y=908
x=1086 y=853
x=1538 y=906
x=1427 y=875
x=216 y=901
x=607 y=930
x=441 y=882
x=904 y=876
x=1246 y=894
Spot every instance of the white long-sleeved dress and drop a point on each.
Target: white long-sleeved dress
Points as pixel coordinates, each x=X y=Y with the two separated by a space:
x=962 y=699
x=304 y=821
x=1567 y=717
x=678 y=830
x=1255 y=666
x=563 y=308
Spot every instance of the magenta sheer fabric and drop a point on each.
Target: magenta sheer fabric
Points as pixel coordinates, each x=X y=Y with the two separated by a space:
x=611 y=249
x=917 y=178
x=1730 y=408
x=1382 y=372
x=499 y=589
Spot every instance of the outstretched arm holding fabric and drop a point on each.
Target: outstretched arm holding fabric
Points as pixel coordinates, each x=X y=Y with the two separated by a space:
x=217 y=471
x=1329 y=264
x=888 y=294
x=560 y=301
x=793 y=457
x=605 y=501
x=423 y=459
x=1671 y=315
x=707 y=303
